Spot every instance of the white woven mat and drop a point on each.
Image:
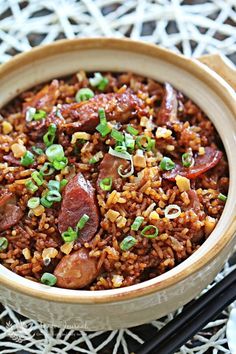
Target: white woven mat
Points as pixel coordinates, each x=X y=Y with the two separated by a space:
x=192 y=27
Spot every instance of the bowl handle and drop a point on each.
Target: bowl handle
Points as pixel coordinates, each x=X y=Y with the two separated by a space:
x=222 y=66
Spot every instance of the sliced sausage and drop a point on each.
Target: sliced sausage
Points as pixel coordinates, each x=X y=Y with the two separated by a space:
x=169 y=106
x=202 y=164
x=109 y=168
x=118 y=106
x=45 y=99
x=76 y=270
x=79 y=199
x=10 y=213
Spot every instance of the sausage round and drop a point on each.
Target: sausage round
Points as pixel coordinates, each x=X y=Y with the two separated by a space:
x=79 y=199
x=76 y=270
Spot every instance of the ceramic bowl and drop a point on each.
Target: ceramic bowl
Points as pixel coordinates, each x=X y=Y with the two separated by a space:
x=137 y=304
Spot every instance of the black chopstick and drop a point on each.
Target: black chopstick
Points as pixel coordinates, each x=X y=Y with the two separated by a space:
x=192 y=318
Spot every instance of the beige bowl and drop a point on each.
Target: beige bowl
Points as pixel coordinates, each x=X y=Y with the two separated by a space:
x=111 y=309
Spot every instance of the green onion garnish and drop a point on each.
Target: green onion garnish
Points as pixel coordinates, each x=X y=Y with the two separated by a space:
x=106 y=184
x=144 y=142
x=96 y=157
x=33 y=202
x=137 y=223
x=49 y=137
x=27 y=159
x=150 y=231
x=37 y=150
x=31 y=186
x=99 y=81
x=37 y=177
x=53 y=196
x=40 y=114
x=63 y=183
x=29 y=114
x=222 y=197
x=3 y=243
x=47 y=169
x=187 y=159
x=69 y=235
x=84 y=94
x=167 y=164
x=82 y=221
x=120 y=148
x=48 y=279
x=129 y=141
x=132 y=130
x=118 y=136
x=46 y=203
x=54 y=185
x=103 y=128
x=55 y=152
x=60 y=164
x=127 y=243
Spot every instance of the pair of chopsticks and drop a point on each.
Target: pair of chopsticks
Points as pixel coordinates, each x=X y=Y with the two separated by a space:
x=193 y=318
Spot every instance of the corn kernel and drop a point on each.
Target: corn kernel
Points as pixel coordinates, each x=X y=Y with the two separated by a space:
x=39 y=210
x=154 y=215
x=121 y=221
x=201 y=150
x=50 y=252
x=67 y=247
x=209 y=224
x=6 y=127
x=112 y=215
x=18 y=150
x=26 y=253
x=163 y=133
x=183 y=183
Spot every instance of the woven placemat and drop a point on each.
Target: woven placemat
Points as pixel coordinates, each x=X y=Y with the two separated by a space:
x=191 y=27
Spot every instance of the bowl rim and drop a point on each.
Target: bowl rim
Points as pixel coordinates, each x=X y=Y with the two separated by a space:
x=209 y=77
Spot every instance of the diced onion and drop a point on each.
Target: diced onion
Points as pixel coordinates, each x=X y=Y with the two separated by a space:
x=169 y=209
x=123 y=155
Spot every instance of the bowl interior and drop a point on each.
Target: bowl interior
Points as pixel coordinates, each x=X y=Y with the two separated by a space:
x=196 y=81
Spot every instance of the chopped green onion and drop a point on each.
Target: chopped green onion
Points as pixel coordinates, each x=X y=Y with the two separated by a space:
x=27 y=159
x=48 y=279
x=167 y=164
x=187 y=159
x=84 y=94
x=49 y=137
x=132 y=130
x=31 y=186
x=69 y=235
x=137 y=223
x=127 y=243
x=54 y=185
x=96 y=157
x=82 y=221
x=37 y=150
x=150 y=231
x=63 y=183
x=3 y=243
x=120 y=148
x=47 y=169
x=55 y=152
x=29 y=114
x=60 y=164
x=122 y=155
x=118 y=136
x=152 y=144
x=40 y=114
x=106 y=184
x=33 y=202
x=99 y=81
x=53 y=196
x=129 y=141
x=103 y=128
x=37 y=177
x=46 y=203
x=169 y=211
x=144 y=142
x=222 y=197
